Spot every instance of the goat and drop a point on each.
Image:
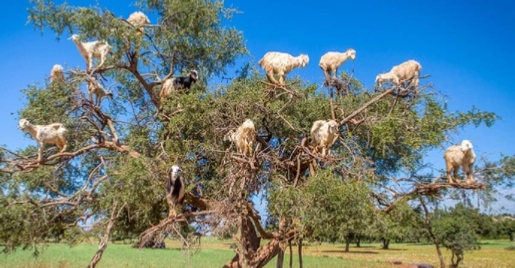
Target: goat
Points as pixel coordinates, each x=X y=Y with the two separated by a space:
x=330 y=61
x=281 y=64
x=95 y=49
x=460 y=155
x=180 y=82
x=177 y=83
x=408 y=70
x=95 y=88
x=324 y=134
x=138 y=19
x=244 y=137
x=174 y=189
x=57 y=74
x=54 y=134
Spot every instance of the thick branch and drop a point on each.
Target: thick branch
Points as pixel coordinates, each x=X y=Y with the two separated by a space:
x=148 y=87
x=103 y=243
x=365 y=106
x=255 y=218
x=430 y=189
x=150 y=232
x=60 y=157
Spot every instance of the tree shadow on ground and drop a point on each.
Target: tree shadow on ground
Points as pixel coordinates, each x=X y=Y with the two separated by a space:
x=352 y=251
x=361 y=247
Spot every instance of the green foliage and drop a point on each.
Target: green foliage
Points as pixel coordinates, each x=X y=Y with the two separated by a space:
x=456 y=230
x=505 y=226
x=325 y=209
x=338 y=209
x=396 y=224
x=192 y=33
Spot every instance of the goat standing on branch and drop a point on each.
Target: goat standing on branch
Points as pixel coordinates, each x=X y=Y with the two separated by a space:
x=138 y=19
x=409 y=70
x=323 y=135
x=177 y=83
x=95 y=88
x=89 y=50
x=244 y=137
x=174 y=189
x=281 y=64
x=54 y=134
x=330 y=61
x=460 y=155
x=57 y=74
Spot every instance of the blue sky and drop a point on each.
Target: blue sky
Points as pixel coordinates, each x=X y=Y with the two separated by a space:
x=466 y=47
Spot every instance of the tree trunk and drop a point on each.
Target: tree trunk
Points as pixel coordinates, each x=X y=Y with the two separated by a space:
x=510 y=234
x=300 y=253
x=291 y=253
x=430 y=230
x=386 y=243
x=358 y=242
x=347 y=243
x=458 y=260
x=249 y=254
x=280 y=259
x=247 y=243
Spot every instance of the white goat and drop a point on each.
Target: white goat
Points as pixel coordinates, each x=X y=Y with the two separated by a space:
x=166 y=89
x=57 y=74
x=324 y=134
x=408 y=70
x=281 y=63
x=54 y=134
x=95 y=49
x=95 y=88
x=174 y=189
x=244 y=137
x=330 y=61
x=138 y=19
x=460 y=155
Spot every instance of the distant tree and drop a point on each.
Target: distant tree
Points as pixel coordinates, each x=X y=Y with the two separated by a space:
x=505 y=225
x=457 y=231
x=396 y=224
x=417 y=231
x=341 y=209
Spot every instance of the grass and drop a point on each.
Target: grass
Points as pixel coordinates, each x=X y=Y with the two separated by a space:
x=216 y=252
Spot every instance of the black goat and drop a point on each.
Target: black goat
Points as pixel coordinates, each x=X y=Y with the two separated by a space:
x=176 y=83
x=185 y=81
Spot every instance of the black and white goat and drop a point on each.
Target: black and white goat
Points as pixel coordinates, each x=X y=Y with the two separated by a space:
x=174 y=189
x=185 y=81
x=177 y=83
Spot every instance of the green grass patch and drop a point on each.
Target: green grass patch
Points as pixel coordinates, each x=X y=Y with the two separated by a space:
x=215 y=253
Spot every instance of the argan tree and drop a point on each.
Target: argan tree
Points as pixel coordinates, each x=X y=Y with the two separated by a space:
x=396 y=224
x=457 y=231
x=113 y=173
